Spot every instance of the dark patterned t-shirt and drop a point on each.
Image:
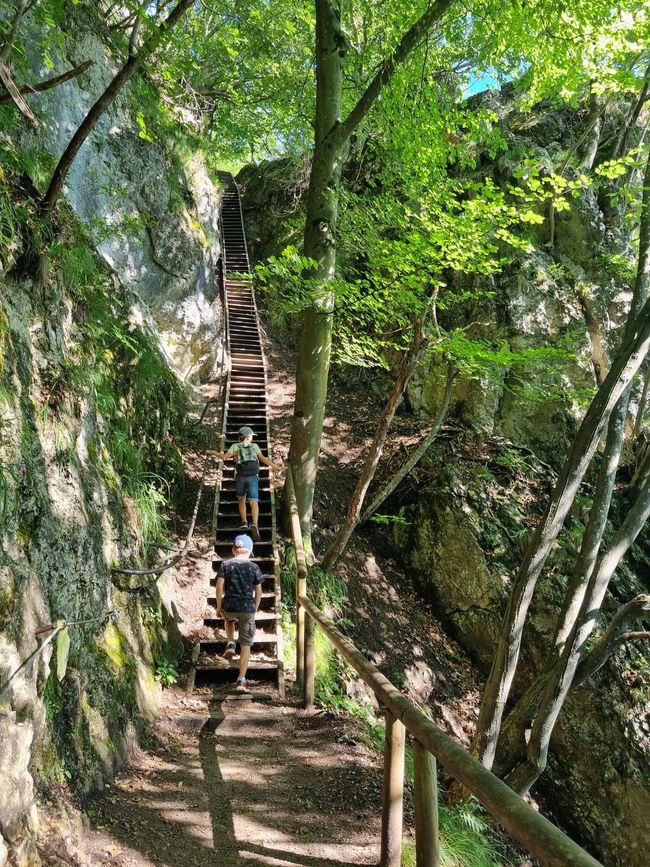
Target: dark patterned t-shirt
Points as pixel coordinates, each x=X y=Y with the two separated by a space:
x=239 y=578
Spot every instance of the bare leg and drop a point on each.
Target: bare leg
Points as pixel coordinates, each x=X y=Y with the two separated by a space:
x=241 y=503
x=244 y=656
x=230 y=630
x=255 y=511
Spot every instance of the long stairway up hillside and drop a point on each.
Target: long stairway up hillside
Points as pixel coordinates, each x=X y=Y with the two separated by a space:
x=245 y=405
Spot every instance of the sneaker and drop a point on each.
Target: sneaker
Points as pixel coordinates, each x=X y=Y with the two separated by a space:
x=229 y=652
x=242 y=685
x=255 y=533
x=243 y=525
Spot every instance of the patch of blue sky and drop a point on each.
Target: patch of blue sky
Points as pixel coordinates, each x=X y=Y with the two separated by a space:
x=479 y=83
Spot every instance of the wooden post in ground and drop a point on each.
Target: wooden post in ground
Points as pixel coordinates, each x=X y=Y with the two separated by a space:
x=301 y=590
x=301 y=580
x=393 y=794
x=425 y=796
x=310 y=663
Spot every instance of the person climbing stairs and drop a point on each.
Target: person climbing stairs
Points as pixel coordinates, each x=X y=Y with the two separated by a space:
x=245 y=405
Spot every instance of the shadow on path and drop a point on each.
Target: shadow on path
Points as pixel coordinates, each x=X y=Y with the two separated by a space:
x=243 y=783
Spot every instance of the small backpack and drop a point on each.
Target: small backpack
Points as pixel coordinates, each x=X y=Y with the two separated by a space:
x=247 y=461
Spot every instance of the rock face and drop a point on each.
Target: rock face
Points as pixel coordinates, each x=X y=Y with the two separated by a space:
x=64 y=520
x=154 y=213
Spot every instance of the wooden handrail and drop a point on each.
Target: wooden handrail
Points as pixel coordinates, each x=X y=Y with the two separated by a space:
x=540 y=837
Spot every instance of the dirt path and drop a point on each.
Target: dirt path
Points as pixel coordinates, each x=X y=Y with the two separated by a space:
x=237 y=780
x=241 y=782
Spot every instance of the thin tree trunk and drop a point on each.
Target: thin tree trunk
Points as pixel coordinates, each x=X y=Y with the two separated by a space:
x=14 y=94
x=375 y=451
x=615 y=388
x=621 y=143
x=49 y=83
x=5 y=50
x=498 y=685
x=331 y=143
x=643 y=401
x=559 y=684
x=595 y=126
x=613 y=445
x=421 y=450
x=616 y=633
x=105 y=101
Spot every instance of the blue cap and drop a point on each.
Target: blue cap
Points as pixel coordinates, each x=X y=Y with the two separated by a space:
x=243 y=542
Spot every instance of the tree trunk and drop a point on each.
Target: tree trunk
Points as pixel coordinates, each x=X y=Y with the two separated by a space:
x=593 y=140
x=614 y=443
x=49 y=83
x=320 y=245
x=497 y=688
x=375 y=451
x=14 y=94
x=643 y=402
x=615 y=634
x=559 y=684
x=332 y=136
x=511 y=746
x=5 y=49
x=621 y=143
x=421 y=450
x=105 y=101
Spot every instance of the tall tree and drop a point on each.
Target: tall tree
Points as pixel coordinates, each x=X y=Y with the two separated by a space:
x=331 y=139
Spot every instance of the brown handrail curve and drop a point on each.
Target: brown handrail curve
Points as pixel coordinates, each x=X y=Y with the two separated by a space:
x=540 y=836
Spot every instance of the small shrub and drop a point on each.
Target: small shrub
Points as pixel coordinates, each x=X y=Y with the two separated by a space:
x=166 y=673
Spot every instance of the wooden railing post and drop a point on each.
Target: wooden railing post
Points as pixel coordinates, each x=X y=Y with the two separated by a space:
x=425 y=796
x=393 y=794
x=310 y=664
x=301 y=590
x=301 y=581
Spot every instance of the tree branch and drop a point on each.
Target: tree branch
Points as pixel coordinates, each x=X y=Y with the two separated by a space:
x=49 y=83
x=14 y=94
x=615 y=634
x=408 y=43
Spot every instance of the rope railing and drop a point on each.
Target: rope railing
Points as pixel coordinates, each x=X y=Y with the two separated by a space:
x=538 y=835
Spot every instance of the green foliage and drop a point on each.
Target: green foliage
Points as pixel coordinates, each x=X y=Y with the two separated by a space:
x=62 y=652
x=51 y=698
x=166 y=673
x=327 y=590
x=152 y=615
x=56 y=771
x=8 y=501
x=390 y=520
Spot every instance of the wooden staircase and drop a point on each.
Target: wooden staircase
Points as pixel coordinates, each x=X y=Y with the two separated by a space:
x=245 y=404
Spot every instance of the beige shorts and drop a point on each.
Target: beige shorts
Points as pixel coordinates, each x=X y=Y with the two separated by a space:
x=246 y=620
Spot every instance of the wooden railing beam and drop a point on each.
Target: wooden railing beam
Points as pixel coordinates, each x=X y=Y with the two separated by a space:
x=310 y=665
x=540 y=837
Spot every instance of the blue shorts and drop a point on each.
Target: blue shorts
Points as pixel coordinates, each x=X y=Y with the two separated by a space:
x=247 y=486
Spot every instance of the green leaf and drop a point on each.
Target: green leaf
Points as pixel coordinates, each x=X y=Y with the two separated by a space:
x=62 y=651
